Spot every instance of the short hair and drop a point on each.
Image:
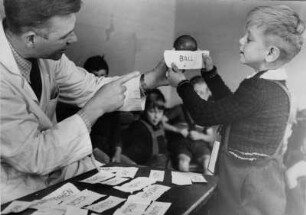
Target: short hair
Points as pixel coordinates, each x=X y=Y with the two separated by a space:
x=155 y=99
x=96 y=63
x=281 y=26
x=196 y=80
x=22 y=15
x=181 y=40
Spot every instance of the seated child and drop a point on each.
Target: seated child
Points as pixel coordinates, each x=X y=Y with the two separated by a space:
x=188 y=141
x=144 y=141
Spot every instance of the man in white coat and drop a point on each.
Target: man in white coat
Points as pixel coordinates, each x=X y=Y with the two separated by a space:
x=36 y=151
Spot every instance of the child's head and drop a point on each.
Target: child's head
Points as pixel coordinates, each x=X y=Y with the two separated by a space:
x=200 y=87
x=185 y=43
x=273 y=36
x=155 y=106
x=97 y=65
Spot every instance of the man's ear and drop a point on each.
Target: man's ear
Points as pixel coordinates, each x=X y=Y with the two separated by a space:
x=29 y=38
x=273 y=53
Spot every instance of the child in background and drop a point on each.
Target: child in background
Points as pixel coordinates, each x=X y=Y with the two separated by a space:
x=144 y=141
x=251 y=175
x=105 y=133
x=188 y=141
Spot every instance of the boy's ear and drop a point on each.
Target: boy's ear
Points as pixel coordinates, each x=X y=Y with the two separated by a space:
x=273 y=53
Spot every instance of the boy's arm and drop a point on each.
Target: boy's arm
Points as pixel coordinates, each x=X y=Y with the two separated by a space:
x=215 y=84
x=213 y=80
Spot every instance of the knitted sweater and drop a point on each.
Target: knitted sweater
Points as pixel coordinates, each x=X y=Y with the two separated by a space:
x=258 y=112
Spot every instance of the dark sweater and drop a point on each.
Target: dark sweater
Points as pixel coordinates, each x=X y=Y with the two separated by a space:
x=138 y=141
x=258 y=112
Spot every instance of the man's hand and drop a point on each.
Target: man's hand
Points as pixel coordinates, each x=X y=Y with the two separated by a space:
x=175 y=76
x=157 y=76
x=108 y=98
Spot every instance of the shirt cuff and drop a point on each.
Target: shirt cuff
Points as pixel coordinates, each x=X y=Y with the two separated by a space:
x=209 y=74
x=84 y=117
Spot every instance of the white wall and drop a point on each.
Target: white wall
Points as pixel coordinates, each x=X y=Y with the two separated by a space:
x=134 y=33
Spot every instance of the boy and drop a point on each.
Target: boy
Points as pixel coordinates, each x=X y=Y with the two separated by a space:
x=144 y=141
x=188 y=141
x=250 y=167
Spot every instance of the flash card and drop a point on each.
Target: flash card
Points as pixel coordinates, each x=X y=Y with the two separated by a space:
x=185 y=59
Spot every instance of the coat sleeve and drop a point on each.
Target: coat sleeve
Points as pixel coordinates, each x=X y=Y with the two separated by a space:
x=31 y=149
x=77 y=86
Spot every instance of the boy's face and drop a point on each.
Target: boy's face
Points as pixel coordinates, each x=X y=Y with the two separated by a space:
x=154 y=115
x=202 y=90
x=100 y=73
x=252 y=48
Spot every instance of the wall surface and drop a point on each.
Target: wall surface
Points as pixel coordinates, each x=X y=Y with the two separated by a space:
x=132 y=34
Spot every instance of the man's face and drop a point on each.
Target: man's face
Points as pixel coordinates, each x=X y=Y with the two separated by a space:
x=252 y=48
x=154 y=115
x=60 y=34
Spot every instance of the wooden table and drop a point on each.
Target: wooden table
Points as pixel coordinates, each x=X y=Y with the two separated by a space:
x=185 y=199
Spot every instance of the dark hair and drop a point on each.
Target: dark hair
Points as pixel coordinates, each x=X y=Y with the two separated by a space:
x=96 y=63
x=196 y=79
x=186 y=43
x=24 y=14
x=155 y=99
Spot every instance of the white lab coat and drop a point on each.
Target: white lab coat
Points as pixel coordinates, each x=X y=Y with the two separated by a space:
x=36 y=151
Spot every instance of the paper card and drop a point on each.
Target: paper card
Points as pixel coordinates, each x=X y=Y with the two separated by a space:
x=106 y=204
x=133 y=101
x=63 y=192
x=47 y=204
x=150 y=193
x=49 y=211
x=128 y=172
x=114 y=181
x=157 y=175
x=195 y=177
x=86 y=197
x=132 y=208
x=136 y=184
x=180 y=179
x=185 y=59
x=75 y=211
x=157 y=208
x=98 y=177
x=16 y=207
x=213 y=157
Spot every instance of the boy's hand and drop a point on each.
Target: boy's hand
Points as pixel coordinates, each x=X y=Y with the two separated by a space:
x=207 y=63
x=175 y=76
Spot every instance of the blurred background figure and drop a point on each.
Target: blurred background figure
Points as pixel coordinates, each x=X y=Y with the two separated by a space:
x=144 y=141
x=295 y=162
x=105 y=133
x=189 y=142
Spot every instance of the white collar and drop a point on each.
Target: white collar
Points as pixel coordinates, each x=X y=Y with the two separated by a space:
x=274 y=74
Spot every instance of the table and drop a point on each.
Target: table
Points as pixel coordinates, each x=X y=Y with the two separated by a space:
x=185 y=199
